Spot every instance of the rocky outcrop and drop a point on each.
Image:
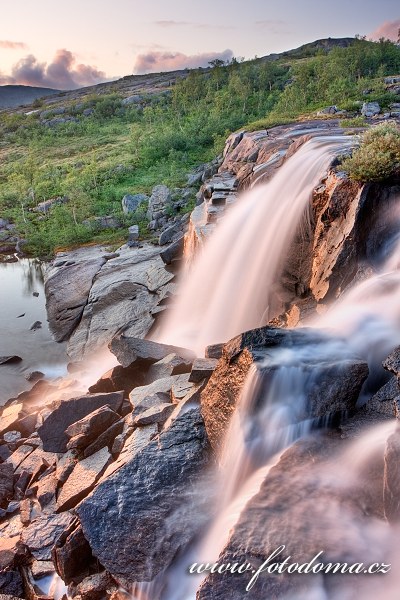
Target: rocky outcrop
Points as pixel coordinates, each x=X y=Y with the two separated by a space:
x=130 y=509
x=67 y=285
x=306 y=505
x=92 y=296
x=333 y=386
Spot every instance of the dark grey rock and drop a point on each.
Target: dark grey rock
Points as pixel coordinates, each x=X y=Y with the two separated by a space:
x=36 y=325
x=83 y=432
x=53 y=431
x=129 y=349
x=174 y=251
x=4 y=360
x=131 y=202
x=6 y=483
x=149 y=504
x=43 y=533
x=202 y=368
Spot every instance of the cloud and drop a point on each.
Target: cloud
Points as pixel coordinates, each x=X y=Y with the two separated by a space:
x=154 y=62
x=63 y=73
x=388 y=30
x=173 y=23
x=270 y=23
x=7 y=45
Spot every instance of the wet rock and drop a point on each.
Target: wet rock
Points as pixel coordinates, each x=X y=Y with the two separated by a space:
x=301 y=506
x=34 y=376
x=83 y=432
x=130 y=509
x=43 y=533
x=202 y=368
x=133 y=444
x=53 y=431
x=94 y=587
x=41 y=568
x=71 y=553
x=129 y=349
x=82 y=479
x=131 y=202
x=67 y=285
x=156 y=414
x=11 y=584
x=4 y=360
x=392 y=362
x=6 y=483
x=334 y=385
x=172 y=364
x=382 y=401
x=35 y=326
x=391 y=491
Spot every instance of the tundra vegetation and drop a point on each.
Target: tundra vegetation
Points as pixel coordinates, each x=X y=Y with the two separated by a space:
x=107 y=148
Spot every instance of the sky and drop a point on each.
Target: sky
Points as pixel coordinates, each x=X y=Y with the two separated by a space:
x=83 y=42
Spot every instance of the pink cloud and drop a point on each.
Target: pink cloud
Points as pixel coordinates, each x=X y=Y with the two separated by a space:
x=62 y=73
x=388 y=30
x=7 y=45
x=154 y=62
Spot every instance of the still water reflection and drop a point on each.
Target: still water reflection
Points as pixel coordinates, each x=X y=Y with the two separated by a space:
x=22 y=302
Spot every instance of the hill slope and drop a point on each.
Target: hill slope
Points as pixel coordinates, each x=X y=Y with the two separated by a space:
x=20 y=95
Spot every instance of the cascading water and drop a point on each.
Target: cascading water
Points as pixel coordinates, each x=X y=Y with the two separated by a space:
x=231 y=286
x=221 y=299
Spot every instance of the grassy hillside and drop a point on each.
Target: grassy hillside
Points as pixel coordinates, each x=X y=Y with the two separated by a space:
x=92 y=146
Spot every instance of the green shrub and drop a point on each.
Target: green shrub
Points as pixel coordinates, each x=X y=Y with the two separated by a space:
x=378 y=156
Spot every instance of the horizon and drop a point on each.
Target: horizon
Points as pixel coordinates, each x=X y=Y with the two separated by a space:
x=95 y=45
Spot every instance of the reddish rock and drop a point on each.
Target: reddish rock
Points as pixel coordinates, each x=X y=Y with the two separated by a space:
x=82 y=479
x=10 y=417
x=105 y=439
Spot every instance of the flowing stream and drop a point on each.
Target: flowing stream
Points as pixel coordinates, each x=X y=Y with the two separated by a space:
x=229 y=290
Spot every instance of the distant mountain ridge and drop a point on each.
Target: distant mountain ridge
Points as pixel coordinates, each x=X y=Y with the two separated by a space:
x=12 y=96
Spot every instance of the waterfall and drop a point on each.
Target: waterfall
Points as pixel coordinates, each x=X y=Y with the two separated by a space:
x=229 y=290
x=232 y=284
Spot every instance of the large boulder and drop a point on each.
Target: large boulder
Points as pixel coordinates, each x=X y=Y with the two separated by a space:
x=150 y=504
x=123 y=297
x=67 y=285
x=308 y=503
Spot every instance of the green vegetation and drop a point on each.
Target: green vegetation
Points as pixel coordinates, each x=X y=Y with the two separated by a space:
x=100 y=149
x=378 y=156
